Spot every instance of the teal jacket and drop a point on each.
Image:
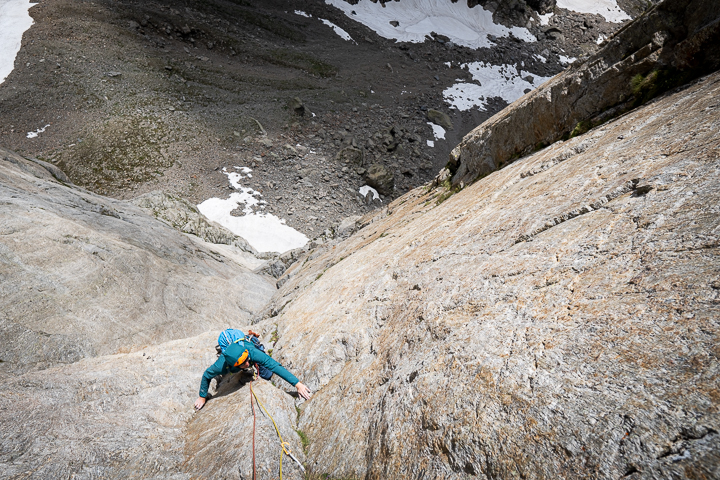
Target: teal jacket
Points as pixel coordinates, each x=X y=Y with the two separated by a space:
x=229 y=357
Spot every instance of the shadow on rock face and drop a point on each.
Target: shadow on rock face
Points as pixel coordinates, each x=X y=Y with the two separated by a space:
x=219 y=438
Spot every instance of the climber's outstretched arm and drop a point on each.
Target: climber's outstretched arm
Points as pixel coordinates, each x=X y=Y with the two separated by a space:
x=217 y=368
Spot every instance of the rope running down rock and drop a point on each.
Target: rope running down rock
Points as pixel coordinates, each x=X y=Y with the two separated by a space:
x=283 y=444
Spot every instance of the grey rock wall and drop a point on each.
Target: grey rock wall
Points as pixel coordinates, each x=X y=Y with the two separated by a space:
x=84 y=279
x=556 y=319
x=131 y=416
x=84 y=275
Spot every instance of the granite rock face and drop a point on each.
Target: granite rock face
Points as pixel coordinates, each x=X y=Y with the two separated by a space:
x=670 y=44
x=131 y=416
x=84 y=275
x=556 y=319
x=84 y=279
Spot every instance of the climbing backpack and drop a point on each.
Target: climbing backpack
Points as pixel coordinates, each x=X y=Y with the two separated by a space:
x=233 y=335
x=265 y=373
x=228 y=337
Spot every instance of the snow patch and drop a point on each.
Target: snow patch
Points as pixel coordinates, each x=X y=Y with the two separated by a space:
x=36 y=132
x=367 y=188
x=566 y=60
x=342 y=33
x=235 y=177
x=502 y=81
x=607 y=8
x=430 y=143
x=545 y=19
x=438 y=131
x=264 y=231
x=14 y=21
x=417 y=19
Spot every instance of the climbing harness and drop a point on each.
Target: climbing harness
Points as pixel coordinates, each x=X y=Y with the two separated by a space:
x=283 y=444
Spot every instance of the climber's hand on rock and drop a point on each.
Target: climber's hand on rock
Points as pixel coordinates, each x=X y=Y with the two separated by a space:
x=303 y=391
x=199 y=403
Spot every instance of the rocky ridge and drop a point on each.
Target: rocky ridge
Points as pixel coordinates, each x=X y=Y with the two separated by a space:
x=185 y=217
x=670 y=44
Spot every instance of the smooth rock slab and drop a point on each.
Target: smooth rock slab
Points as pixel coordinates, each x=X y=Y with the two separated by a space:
x=84 y=275
x=556 y=319
x=132 y=416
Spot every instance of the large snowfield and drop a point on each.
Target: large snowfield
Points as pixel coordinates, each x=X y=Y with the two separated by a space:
x=263 y=231
x=607 y=8
x=14 y=21
x=502 y=81
x=416 y=19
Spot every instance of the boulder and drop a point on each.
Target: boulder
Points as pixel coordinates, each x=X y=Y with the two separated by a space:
x=297 y=106
x=440 y=118
x=352 y=156
x=541 y=6
x=380 y=178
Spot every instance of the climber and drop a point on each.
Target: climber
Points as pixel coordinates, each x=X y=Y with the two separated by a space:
x=238 y=351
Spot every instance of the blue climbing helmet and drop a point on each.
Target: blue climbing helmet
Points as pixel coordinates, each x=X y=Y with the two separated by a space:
x=228 y=337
